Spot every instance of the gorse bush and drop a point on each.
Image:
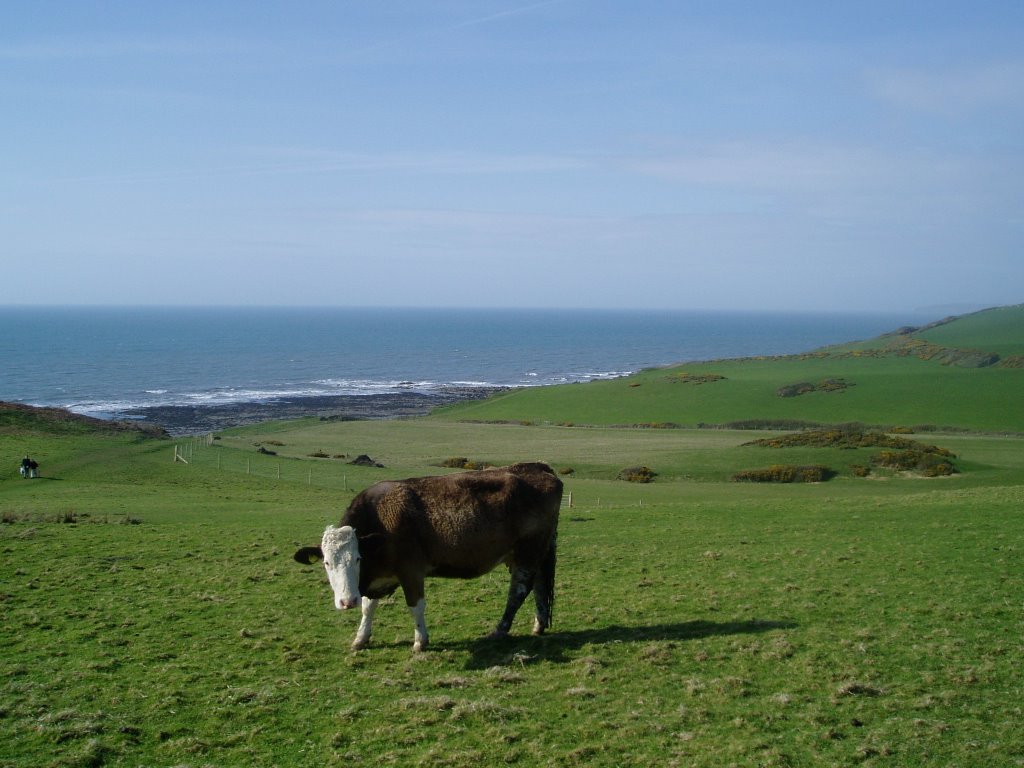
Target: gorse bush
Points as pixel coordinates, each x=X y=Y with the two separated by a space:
x=694 y=378
x=806 y=387
x=637 y=474
x=929 y=464
x=841 y=437
x=461 y=462
x=901 y=453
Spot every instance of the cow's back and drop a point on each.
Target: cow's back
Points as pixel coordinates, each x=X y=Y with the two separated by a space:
x=476 y=518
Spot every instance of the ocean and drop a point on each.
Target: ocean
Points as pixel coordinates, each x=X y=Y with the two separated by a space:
x=106 y=361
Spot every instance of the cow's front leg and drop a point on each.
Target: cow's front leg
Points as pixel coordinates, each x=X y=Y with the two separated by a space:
x=369 y=607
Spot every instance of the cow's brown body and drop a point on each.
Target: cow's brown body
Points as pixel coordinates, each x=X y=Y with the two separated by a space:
x=458 y=526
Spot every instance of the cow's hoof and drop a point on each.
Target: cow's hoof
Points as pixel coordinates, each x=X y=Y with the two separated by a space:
x=419 y=647
x=498 y=634
x=359 y=645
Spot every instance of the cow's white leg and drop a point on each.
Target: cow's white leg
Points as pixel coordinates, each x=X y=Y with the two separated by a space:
x=418 y=611
x=369 y=607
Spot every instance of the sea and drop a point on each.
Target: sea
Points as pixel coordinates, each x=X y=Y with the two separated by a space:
x=105 y=361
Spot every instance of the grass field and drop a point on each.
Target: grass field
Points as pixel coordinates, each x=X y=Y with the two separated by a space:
x=152 y=614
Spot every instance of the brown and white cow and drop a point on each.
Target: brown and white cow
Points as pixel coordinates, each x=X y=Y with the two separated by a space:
x=396 y=533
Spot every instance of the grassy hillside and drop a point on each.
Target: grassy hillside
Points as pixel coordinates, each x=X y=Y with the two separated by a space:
x=962 y=374
x=999 y=330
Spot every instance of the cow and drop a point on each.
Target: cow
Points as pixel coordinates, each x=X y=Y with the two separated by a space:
x=462 y=525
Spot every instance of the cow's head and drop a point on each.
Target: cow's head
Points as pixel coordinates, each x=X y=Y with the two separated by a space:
x=339 y=550
x=341 y=559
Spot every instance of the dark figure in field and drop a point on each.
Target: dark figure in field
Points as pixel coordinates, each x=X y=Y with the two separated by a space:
x=29 y=467
x=396 y=533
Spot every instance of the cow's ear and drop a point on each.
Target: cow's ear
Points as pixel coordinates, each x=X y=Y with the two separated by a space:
x=309 y=555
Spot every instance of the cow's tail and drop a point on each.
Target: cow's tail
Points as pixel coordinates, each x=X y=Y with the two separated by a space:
x=544 y=587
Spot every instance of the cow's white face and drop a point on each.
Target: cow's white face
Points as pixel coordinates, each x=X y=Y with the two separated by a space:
x=341 y=559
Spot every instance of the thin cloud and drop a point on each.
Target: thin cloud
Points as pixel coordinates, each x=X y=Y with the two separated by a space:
x=428 y=162
x=297 y=162
x=504 y=14
x=76 y=48
x=952 y=92
x=765 y=166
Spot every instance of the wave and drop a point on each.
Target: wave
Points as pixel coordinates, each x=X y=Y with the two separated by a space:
x=126 y=407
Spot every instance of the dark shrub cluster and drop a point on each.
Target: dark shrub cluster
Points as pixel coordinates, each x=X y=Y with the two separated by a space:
x=461 y=462
x=928 y=463
x=637 y=474
x=842 y=437
x=362 y=460
x=756 y=424
x=900 y=453
x=786 y=473
x=806 y=387
x=694 y=378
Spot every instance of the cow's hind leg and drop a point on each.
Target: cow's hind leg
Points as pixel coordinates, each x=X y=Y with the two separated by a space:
x=412 y=586
x=519 y=587
x=420 y=638
x=369 y=607
x=544 y=590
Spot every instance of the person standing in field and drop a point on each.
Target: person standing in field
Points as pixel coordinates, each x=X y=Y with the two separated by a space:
x=29 y=467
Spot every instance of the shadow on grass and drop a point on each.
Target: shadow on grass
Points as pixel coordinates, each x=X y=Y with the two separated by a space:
x=555 y=647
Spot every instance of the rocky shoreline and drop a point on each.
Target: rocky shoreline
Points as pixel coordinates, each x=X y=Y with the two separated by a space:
x=180 y=420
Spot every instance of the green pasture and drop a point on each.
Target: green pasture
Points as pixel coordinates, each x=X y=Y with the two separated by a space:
x=988 y=331
x=152 y=614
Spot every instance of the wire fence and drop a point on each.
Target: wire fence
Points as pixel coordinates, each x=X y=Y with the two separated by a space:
x=203 y=451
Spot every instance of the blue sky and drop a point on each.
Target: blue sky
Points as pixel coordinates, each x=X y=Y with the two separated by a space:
x=568 y=153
